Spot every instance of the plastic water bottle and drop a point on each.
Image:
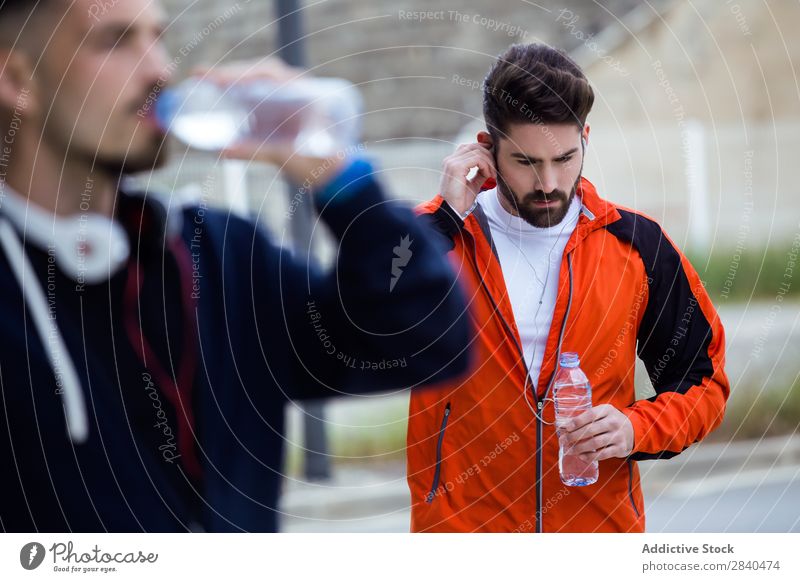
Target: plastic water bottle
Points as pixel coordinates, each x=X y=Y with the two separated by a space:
x=573 y=396
x=318 y=117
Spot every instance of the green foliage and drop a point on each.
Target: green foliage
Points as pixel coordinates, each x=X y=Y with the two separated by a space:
x=733 y=276
x=754 y=414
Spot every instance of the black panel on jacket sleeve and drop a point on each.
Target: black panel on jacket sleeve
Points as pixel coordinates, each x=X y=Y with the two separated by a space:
x=674 y=336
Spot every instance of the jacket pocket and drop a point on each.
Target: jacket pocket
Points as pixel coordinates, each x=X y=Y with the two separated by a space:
x=438 y=468
x=630 y=486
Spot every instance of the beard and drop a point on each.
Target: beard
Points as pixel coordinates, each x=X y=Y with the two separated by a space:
x=540 y=217
x=151 y=156
x=144 y=157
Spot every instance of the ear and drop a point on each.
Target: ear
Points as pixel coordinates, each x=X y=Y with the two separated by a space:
x=485 y=137
x=585 y=135
x=15 y=80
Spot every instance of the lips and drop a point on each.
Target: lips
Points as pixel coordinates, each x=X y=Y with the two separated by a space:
x=149 y=120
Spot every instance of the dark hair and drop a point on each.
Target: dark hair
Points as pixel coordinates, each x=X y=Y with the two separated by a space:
x=8 y=7
x=535 y=83
x=20 y=20
x=21 y=9
x=15 y=12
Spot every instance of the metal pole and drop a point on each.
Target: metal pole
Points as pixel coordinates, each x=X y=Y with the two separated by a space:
x=290 y=29
x=292 y=51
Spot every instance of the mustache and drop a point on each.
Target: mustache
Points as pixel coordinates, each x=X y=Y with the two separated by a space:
x=540 y=196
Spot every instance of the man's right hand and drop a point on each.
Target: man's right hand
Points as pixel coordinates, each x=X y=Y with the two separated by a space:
x=314 y=171
x=457 y=191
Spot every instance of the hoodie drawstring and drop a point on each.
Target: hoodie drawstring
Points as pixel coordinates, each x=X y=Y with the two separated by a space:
x=56 y=349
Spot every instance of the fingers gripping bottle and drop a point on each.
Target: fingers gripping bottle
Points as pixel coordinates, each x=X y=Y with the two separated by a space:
x=316 y=116
x=572 y=396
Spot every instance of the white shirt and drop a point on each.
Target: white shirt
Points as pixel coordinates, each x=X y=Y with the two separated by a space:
x=530 y=258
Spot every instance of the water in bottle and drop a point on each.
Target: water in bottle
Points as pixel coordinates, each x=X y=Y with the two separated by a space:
x=573 y=396
x=316 y=116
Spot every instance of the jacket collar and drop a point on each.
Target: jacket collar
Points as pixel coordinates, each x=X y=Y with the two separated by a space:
x=594 y=208
x=595 y=213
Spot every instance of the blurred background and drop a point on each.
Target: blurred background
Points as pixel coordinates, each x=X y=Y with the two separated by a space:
x=696 y=123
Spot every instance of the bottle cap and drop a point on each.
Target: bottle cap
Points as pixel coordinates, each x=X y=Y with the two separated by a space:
x=569 y=360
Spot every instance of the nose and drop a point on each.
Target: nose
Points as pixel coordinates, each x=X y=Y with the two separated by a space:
x=545 y=180
x=155 y=66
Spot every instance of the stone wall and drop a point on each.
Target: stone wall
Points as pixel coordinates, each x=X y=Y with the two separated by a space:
x=404 y=55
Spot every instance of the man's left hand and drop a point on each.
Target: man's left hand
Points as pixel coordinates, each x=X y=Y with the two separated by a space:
x=600 y=433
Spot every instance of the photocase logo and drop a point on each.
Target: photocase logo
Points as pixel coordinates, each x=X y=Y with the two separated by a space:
x=31 y=555
x=402 y=254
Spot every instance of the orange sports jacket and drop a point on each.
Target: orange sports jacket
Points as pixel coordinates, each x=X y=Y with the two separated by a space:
x=479 y=460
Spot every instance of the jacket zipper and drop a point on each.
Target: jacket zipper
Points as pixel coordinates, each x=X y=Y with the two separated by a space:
x=437 y=470
x=630 y=486
x=539 y=404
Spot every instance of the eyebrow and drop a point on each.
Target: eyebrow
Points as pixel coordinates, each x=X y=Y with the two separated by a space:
x=112 y=28
x=522 y=156
x=126 y=27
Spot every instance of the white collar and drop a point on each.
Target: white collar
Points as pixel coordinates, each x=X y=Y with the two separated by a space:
x=88 y=247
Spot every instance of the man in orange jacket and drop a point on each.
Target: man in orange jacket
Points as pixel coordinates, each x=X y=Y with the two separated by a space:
x=550 y=267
